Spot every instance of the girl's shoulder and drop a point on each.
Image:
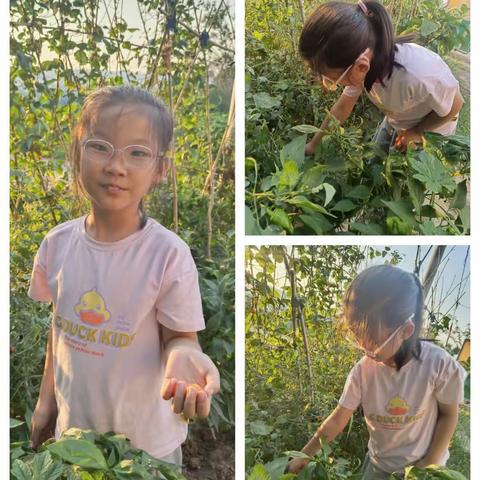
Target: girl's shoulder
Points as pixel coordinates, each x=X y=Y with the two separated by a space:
x=418 y=63
x=163 y=235
x=432 y=352
x=63 y=229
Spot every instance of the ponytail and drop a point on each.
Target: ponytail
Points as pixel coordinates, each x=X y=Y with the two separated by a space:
x=412 y=346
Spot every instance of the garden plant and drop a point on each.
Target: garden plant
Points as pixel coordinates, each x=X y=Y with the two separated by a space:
x=347 y=186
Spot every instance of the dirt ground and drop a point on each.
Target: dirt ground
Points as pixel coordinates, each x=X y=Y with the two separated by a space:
x=208 y=455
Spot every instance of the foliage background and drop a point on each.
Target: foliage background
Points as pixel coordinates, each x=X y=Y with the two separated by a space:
x=341 y=190
x=182 y=51
x=293 y=378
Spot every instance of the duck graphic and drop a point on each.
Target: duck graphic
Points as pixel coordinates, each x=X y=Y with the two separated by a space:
x=397 y=406
x=91 y=308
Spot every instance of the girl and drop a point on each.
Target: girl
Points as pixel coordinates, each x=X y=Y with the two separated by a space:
x=354 y=45
x=409 y=390
x=124 y=289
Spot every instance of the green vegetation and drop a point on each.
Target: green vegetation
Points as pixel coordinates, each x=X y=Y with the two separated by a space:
x=348 y=187
x=87 y=455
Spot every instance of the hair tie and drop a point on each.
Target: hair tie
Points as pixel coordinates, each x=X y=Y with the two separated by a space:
x=364 y=8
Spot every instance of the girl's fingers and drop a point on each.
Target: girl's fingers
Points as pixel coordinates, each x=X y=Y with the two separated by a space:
x=189 y=404
x=168 y=388
x=179 y=397
x=212 y=382
x=203 y=404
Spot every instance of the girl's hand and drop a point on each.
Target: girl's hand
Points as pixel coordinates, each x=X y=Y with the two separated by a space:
x=406 y=137
x=191 y=378
x=43 y=425
x=296 y=465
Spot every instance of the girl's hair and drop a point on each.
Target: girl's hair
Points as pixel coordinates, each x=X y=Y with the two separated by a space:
x=161 y=120
x=337 y=33
x=381 y=299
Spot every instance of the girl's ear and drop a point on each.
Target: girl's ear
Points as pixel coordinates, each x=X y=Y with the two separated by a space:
x=409 y=330
x=162 y=171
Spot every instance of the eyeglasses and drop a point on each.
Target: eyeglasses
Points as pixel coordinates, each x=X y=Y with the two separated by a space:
x=135 y=156
x=375 y=354
x=332 y=85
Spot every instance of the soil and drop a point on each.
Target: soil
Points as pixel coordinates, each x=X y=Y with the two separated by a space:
x=209 y=455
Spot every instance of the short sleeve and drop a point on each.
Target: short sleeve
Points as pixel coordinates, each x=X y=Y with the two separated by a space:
x=39 y=289
x=449 y=382
x=352 y=392
x=441 y=94
x=352 y=91
x=179 y=304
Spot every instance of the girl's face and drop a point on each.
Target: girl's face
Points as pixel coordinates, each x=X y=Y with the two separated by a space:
x=388 y=344
x=117 y=180
x=354 y=75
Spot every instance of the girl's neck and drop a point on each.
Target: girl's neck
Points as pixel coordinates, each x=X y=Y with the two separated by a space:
x=112 y=226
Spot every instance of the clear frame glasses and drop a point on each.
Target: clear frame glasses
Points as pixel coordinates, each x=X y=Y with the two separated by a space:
x=135 y=156
x=375 y=353
x=332 y=85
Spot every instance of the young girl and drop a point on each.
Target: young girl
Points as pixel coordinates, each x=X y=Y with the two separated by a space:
x=354 y=45
x=409 y=390
x=122 y=352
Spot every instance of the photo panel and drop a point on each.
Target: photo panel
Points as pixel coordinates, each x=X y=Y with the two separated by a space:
x=357 y=356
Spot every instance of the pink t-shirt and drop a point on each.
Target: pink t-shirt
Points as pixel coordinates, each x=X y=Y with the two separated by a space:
x=109 y=300
x=401 y=408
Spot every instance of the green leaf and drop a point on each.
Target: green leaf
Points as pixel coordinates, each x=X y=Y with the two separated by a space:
x=460 y=199
x=306 y=129
x=14 y=423
x=296 y=454
x=360 y=192
x=313 y=177
x=280 y=217
x=258 y=427
x=276 y=467
x=289 y=175
x=259 y=472
x=417 y=193
x=21 y=471
x=306 y=205
x=251 y=225
x=295 y=150
x=432 y=173
x=81 y=57
x=429 y=228
x=344 y=205
x=465 y=219
x=403 y=209
x=43 y=466
x=329 y=192
x=79 y=452
x=318 y=223
x=428 y=27
x=367 y=228
x=264 y=101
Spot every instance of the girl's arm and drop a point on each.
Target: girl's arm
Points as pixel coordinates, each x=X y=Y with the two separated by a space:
x=45 y=414
x=340 y=111
x=191 y=378
x=429 y=123
x=446 y=424
x=328 y=431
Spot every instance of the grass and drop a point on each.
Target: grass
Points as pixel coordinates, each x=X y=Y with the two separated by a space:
x=461 y=70
x=460 y=446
